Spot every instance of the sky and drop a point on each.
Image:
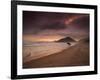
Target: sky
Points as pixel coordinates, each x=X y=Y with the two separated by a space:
x=52 y=26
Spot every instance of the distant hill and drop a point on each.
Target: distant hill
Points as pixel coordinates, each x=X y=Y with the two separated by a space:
x=66 y=39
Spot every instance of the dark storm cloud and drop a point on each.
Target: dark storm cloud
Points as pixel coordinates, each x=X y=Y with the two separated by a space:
x=82 y=23
x=36 y=22
x=55 y=26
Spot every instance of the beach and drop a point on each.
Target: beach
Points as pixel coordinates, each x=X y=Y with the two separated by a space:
x=77 y=55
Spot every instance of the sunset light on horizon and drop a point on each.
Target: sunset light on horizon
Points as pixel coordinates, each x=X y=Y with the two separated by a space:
x=52 y=26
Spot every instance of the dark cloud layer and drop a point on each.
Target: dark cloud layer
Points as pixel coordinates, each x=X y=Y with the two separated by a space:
x=55 y=26
x=82 y=23
x=36 y=22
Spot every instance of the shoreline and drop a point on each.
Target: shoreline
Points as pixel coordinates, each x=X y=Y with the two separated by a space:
x=77 y=55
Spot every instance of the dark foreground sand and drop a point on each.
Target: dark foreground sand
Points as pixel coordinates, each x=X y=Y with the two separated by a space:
x=77 y=55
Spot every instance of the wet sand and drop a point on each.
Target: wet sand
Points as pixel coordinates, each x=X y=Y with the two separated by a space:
x=77 y=55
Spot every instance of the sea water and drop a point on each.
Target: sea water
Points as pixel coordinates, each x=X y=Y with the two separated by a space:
x=37 y=50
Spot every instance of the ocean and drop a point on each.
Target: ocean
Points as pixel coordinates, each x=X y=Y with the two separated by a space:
x=37 y=50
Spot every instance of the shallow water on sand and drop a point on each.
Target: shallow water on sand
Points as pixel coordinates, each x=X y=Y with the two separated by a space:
x=40 y=49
